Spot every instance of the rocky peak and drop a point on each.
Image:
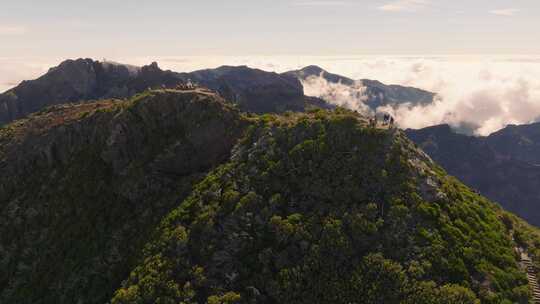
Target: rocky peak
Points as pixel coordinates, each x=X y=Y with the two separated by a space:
x=313 y=69
x=70 y=65
x=316 y=71
x=152 y=68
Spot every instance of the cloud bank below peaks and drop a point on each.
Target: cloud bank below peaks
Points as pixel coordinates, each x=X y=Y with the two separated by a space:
x=351 y=97
x=475 y=95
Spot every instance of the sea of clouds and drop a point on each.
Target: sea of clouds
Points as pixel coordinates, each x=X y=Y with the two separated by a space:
x=478 y=94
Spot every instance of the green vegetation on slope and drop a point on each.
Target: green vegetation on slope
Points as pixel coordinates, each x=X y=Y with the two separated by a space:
x=186 y=200
x=502 y=166
x=319 y=208
x=81 y=187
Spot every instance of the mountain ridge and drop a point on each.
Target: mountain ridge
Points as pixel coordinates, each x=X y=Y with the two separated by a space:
x=252 y=90
x=503 y=166
x=176 y=196
x=376 y=93
x=79 y=80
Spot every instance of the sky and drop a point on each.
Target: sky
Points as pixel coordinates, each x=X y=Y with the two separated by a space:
x=115 y=28
x=482 y=57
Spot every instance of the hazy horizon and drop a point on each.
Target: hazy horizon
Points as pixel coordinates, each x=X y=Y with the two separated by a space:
x=280 y=27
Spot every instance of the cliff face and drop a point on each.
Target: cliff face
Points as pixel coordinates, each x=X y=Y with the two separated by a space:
x=82 y=186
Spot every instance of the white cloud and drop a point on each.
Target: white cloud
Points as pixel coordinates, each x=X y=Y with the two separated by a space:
x=351 y=97
x=405 y=5
x=507 y=12
x=12 y=30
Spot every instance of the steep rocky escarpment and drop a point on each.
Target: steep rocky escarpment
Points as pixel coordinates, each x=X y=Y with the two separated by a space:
x=82 y=186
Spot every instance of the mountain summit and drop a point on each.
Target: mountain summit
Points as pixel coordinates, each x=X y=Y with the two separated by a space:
x=316 y=71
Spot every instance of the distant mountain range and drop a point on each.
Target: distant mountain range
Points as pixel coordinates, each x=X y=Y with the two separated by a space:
x=252 y=90
x=504 y=166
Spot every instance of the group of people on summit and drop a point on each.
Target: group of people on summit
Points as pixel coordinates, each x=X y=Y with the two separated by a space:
x=388 y=120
